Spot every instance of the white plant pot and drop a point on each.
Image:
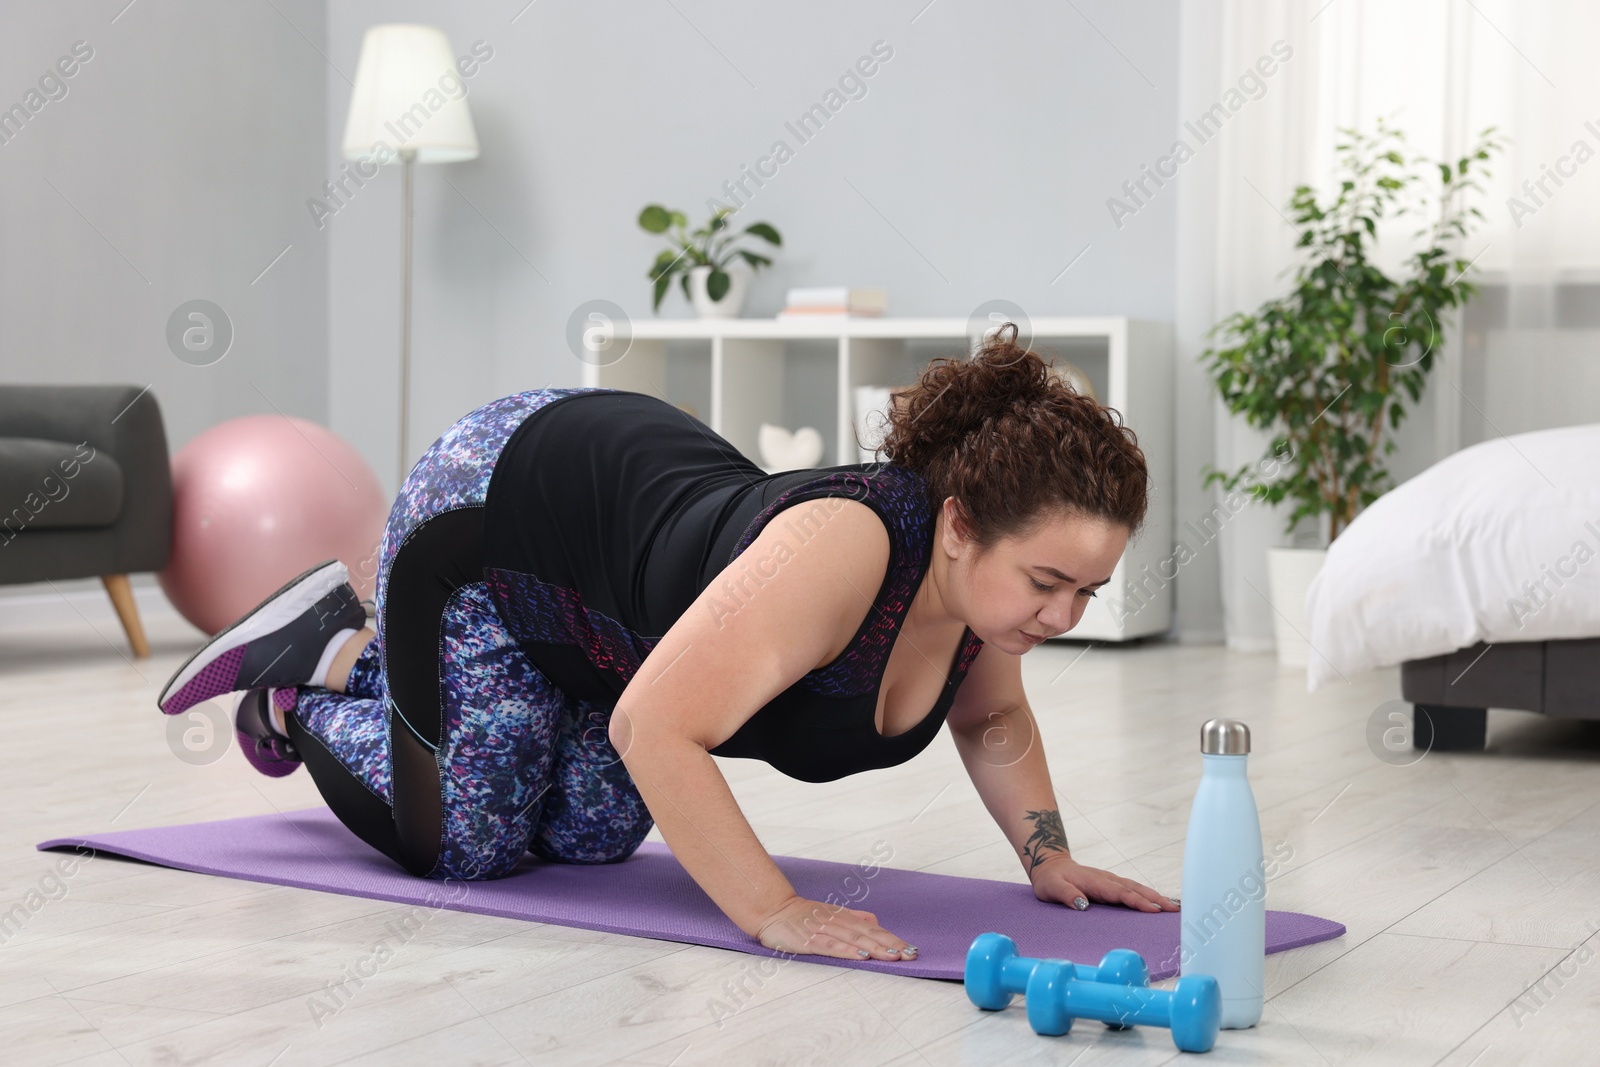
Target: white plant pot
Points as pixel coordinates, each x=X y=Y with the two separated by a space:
x=732 y=301
x=1289 y=574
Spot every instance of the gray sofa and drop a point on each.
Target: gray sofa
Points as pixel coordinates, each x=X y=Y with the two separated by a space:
x=85 y=489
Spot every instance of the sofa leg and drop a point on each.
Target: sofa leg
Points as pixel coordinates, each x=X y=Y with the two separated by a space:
x=1439 y=728
x=128 y=611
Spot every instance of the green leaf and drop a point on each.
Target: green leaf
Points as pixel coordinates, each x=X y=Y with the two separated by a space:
x=717 y=283
x=668 y=259
x=755 y=260
x=661 y=290
x=765 y=232
x=654 y=218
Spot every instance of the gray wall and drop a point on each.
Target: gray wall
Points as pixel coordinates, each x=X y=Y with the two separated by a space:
x=1198 y=588
x=976 y=166
x=173 y=169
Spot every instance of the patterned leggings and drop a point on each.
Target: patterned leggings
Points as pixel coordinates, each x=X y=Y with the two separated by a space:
x=449 y=752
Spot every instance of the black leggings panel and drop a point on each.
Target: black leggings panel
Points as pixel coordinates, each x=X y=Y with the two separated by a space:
x=365 y=813
x=439 y=556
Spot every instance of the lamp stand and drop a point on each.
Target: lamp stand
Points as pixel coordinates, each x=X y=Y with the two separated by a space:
x=408 y=158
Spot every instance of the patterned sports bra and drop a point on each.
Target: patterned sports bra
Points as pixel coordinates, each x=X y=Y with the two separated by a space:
x=823 y=726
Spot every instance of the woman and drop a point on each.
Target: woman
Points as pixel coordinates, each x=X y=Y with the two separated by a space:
x=575 y=611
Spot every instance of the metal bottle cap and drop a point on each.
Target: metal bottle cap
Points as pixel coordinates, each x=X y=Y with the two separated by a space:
x=1224 y=737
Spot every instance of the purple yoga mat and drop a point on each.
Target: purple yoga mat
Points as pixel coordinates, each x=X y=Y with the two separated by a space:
x=651 y=895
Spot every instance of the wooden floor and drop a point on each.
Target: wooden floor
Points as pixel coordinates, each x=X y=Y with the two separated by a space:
x=1468 y=882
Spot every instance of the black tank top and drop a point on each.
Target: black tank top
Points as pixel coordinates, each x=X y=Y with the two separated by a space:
x=610 y=511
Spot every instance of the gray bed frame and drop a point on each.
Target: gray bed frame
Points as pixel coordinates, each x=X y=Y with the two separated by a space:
x=1452 y=693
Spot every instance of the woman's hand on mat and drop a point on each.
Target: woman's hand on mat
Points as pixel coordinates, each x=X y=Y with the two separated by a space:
x=1066 y=881
x=811 y=927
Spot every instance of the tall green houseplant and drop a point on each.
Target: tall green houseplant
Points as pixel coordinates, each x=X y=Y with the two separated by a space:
x=1325 y=366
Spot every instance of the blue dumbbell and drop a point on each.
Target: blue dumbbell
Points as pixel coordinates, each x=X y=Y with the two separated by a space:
x=1192 y=1010
x=995 y=972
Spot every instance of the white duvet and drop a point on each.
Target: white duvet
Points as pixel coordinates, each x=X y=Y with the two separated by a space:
x=1499 y=542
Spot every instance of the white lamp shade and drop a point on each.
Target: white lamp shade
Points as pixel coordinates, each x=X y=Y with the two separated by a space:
x=409 y=94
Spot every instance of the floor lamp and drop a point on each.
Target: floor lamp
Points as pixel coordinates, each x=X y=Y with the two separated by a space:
x=409 y=106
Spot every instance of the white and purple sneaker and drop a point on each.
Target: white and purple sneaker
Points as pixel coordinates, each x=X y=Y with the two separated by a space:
x=279 y=643
x=268 y=751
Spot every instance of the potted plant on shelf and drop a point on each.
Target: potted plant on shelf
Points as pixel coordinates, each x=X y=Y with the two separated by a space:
x=701 y=260
x=1323 y=367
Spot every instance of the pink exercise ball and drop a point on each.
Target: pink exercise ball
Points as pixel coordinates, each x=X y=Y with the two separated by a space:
x=259 y=499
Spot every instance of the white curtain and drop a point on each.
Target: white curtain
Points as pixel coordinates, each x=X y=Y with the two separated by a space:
x=1525 y=355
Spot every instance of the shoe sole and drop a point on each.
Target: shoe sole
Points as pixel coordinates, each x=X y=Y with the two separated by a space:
x=278 y=610
x=270 y=767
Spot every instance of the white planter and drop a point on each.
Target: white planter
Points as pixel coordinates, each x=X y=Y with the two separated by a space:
x=732 y=301
x=1289 y=574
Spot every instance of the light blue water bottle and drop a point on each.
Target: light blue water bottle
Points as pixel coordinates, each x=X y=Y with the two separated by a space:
x=1224 y=884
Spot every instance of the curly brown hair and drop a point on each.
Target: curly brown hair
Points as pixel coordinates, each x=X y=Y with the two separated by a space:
x=1013 y=444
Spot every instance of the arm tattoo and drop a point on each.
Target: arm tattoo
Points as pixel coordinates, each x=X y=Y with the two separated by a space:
x=1048 y=837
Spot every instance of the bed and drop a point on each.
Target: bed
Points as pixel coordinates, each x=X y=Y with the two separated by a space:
x=1480 y=578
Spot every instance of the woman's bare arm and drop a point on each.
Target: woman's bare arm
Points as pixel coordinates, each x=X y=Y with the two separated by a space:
x=787 y=604
x=998 y=739
x=701 y=821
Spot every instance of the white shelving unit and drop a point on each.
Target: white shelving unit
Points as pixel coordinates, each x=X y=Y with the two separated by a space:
x=735 y=374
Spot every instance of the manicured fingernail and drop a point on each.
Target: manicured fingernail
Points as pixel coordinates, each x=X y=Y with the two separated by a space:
x=1175 y=900
x=863 y=952
x=1080 y=904
x=911 y=949
x=892 y=950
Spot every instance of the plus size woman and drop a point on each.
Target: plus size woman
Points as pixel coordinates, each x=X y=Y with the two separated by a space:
x=584 y=594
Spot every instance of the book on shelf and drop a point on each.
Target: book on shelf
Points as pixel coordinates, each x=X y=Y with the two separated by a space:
x=827 y=312
x=835 y=302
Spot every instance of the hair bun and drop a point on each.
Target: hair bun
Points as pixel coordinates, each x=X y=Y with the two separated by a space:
x=1007 y=436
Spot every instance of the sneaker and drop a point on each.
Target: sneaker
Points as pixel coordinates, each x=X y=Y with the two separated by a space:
x=268 y=751
x=279 y=643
